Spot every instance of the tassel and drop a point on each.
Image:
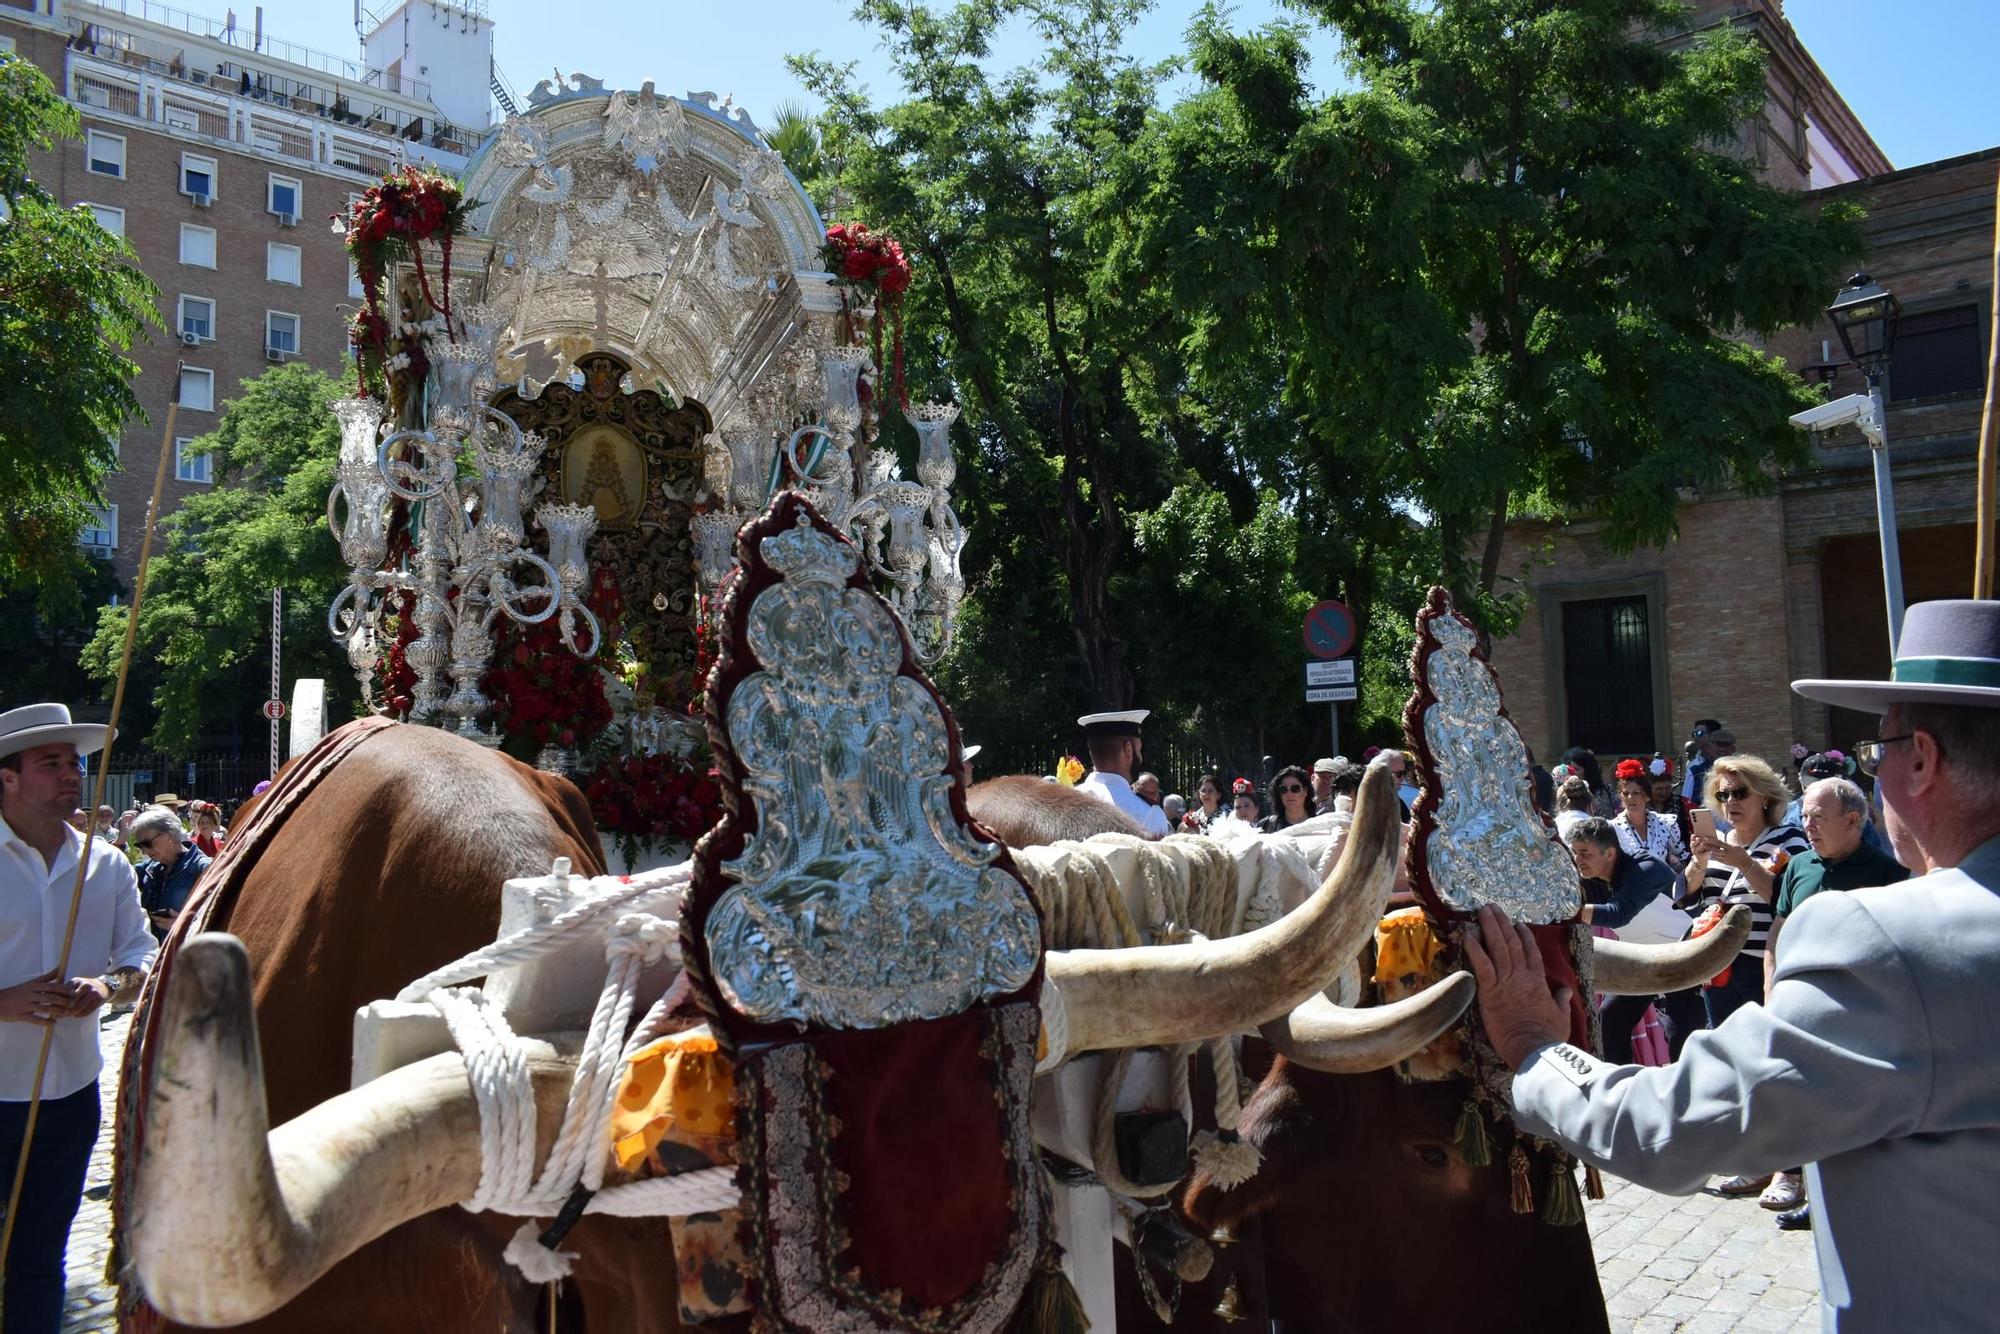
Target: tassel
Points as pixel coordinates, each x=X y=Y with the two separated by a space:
x=1524 y=1195
x=1562 y=1206
x=1228 y=1161
x=1051 y=1305
x=1470 y=1137
x=1593 y=1182
x=538 y=1263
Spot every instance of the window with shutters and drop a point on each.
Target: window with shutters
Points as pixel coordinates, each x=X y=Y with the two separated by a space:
x=1607 y=657
x=105 y=153
x=197 y=246
x=1937 y=353
x=281 y=263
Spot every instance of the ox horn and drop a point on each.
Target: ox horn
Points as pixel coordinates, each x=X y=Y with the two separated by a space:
x=229 y=1223
x=1320 y=1035
x=1165 y=995
x=1624 y=969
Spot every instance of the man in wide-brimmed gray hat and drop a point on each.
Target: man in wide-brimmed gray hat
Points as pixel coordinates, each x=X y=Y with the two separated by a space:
x=1873 y=1060
x=40 y=781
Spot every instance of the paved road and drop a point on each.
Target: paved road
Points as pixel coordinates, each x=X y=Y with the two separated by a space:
x=1698 y=1265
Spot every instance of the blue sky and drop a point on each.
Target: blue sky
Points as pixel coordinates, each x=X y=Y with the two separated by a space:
x=1919 y=77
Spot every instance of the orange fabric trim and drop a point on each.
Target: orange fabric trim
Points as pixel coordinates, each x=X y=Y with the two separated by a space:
x=680 y=1084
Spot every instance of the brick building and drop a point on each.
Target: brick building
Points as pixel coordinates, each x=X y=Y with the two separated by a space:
x=219 y=153
x=1623 y=653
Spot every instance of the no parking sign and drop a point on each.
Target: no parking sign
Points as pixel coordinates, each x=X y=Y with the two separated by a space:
x=1329 y=629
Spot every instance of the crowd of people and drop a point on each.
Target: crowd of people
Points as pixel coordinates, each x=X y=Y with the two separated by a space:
x=169 y=841
x=1664 y=850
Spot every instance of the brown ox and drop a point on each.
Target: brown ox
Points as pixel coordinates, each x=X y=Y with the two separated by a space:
x=1371 y=1220
x=1023 y=811
x=391 y=869
x=235 y=1220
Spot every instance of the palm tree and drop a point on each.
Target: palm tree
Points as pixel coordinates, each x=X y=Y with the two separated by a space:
x=795 y=136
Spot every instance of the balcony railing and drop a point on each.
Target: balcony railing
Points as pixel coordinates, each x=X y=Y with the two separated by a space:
x=229 y=33
x=221 y=113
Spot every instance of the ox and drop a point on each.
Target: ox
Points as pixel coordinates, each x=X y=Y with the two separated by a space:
x=1361 y=1180
x=391 y=866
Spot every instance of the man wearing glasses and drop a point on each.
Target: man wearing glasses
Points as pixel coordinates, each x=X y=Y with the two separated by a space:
x=1873 y=1059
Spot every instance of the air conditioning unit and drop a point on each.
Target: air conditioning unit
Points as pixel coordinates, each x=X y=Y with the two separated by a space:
x=190 y=340
x=202 y=201
x=288 y=219
x=276 y=354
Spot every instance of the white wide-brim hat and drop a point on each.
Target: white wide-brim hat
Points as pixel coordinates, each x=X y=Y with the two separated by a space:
x=34 y=725
x=1949 y=653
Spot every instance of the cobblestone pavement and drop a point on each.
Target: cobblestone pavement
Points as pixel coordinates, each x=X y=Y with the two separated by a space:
x=1701 y=1264
x=92 y=1305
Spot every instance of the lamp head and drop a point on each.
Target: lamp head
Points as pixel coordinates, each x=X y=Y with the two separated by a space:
x=1864 y=314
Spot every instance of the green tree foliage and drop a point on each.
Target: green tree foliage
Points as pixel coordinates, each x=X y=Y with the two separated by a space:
x=1223 y=583
x=1523 y=268
x=71 y=301
x=202 y=654
x=1000 y=188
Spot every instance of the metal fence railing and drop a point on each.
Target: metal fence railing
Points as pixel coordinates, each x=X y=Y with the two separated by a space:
x=223 y=777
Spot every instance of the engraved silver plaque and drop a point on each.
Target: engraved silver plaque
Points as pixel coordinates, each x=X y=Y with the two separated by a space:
x=860 y=901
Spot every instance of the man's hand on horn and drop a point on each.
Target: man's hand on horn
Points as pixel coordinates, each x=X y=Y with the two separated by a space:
x=1520 y=1015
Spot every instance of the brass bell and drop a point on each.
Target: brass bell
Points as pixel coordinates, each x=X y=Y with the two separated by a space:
x=1230 y=1308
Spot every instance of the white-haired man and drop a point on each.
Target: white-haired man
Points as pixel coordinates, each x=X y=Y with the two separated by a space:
x=40 y=779
x=1872 y=1061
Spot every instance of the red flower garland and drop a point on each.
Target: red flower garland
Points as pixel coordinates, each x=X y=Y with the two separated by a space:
x=390 y=221
x=653 y=796
x=545 y=695
x=873 y=263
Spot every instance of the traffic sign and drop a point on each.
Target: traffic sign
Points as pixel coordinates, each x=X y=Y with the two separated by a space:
x=1330 y=672
x=1329 y=629
x=1331 y=694
x=274 y=709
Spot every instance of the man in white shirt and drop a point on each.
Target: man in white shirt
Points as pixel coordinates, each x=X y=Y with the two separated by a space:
x=1115 y=755
x=40 y=780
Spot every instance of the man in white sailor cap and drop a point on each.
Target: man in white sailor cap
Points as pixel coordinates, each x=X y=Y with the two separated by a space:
x=1115 y=755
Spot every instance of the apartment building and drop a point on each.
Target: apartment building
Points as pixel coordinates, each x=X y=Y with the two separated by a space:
x=220 y=152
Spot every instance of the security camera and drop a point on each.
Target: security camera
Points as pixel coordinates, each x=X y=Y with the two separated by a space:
x=1857 y=410
x=1832 y=416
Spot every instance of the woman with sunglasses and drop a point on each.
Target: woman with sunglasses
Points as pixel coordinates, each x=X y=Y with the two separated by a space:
x=1743 y=865
x=1291 y=800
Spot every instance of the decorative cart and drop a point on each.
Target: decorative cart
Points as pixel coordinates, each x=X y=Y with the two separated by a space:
x=581 y=371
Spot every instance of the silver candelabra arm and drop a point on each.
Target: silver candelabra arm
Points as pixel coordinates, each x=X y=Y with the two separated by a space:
x=431 y=475
x=504 y=596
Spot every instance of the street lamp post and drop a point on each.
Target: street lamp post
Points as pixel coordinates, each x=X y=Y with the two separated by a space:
x=1864 y=314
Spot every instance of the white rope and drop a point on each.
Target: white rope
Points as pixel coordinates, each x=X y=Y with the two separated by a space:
x=637 y=935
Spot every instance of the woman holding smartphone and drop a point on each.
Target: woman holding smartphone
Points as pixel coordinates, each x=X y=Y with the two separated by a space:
x=1743 y=865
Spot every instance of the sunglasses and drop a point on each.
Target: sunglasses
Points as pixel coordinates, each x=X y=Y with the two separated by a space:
x=1290 y=788
x=1731 y=793
x=1868 y=754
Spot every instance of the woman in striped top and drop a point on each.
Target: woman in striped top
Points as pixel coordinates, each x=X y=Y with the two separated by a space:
x=1743 y=865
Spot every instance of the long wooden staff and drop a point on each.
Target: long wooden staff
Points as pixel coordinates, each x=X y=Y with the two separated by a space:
x=97 y=799
x=1982 y=543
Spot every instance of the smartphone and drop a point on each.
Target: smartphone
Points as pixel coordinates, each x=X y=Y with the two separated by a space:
x=1702 y=821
